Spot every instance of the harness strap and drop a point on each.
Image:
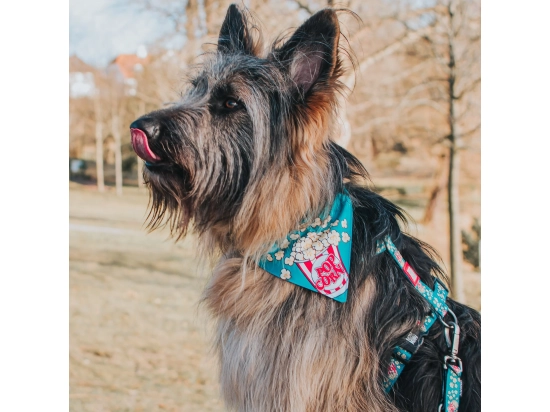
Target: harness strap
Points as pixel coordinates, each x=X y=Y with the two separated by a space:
x=452 y=384
x=452 y=388
x=404 y=352
x=437 y=298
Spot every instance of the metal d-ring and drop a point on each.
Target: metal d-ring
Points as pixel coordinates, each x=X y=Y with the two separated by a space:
x=448 y=328
x=456 y=339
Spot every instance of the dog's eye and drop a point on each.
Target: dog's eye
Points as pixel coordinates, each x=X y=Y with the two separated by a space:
x=231 y=104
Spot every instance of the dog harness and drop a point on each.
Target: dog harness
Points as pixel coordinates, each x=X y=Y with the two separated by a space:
x=317 y=257
x=452 y=365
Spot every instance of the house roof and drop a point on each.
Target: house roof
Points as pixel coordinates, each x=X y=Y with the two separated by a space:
x=126 y=63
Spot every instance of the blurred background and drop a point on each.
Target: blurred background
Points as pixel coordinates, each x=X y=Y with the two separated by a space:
x=139 y=341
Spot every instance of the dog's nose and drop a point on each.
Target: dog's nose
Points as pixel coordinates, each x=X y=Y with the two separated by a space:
x=148 y=125
x=145 y=130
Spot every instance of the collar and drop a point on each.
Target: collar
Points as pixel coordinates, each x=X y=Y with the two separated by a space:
x=317 y=256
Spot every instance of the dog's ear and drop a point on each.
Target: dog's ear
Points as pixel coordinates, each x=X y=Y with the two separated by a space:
x=235 y=35
x=311 y=55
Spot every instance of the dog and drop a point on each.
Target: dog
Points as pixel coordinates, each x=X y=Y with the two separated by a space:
x=309 y=307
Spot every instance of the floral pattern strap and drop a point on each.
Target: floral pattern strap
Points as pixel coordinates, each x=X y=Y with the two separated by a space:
x=401 y=356
x=452 y=388
x=436 y=298
x=452 y=385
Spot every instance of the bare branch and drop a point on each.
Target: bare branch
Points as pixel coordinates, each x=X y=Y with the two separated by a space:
x=471 y=86
x=303 y=6
x=414 y=104
x=471 y=131
x=385 y=51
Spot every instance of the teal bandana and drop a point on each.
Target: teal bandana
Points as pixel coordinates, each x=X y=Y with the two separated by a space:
x=317 y=257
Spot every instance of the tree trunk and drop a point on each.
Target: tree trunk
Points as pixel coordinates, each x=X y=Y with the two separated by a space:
x=190 y=14
x=118 y=153
x=201 y=17
x=141 y=182
x=99 y=146
x=455 y=235
x=344 y=136
x=454 y=225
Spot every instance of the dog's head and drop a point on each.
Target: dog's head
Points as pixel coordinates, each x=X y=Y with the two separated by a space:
x=246 y=142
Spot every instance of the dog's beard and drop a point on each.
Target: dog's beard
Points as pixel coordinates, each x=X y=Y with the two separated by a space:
x=170 y=203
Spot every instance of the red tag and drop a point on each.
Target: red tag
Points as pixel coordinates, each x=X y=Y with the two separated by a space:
x=411 y=274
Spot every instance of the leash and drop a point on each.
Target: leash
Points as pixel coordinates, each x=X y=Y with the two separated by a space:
x=452 y=364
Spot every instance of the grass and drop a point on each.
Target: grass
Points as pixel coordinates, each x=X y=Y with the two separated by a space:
x=138 y=339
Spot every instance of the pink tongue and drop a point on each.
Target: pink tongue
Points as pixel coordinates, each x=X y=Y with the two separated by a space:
x=141 y=146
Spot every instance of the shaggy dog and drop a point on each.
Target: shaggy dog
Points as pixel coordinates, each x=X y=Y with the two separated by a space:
x=247 y=159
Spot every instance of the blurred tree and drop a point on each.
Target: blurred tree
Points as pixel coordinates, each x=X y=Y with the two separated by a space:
x=413 y=88
x=116 y=108
x=81 y=125
x=471 y=241
x=424 y=58
x=99 y=137
x=140 y=164
x=453 y=46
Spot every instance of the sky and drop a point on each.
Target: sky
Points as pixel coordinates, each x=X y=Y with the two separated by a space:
x=100 y=30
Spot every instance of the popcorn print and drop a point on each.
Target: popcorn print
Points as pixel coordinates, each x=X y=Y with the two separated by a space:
x=314 y=236
x=314 y=256
x=309 y=254
x=318 y=246
x=334 y=238
x=285 y=243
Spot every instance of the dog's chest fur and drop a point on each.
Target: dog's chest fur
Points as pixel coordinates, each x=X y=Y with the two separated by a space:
x=283 y=348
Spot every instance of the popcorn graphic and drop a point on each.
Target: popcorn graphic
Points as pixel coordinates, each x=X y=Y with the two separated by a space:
x=285 y=274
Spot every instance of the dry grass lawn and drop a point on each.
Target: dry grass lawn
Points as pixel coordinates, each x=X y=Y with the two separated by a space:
x=138 y=339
